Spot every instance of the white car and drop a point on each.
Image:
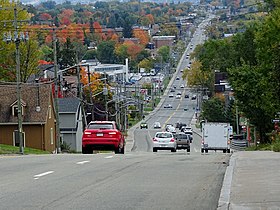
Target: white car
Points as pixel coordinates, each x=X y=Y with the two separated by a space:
x=157 y=125
x=171 y=95
x=164 y=141
x=178 y=96
x=182 y=86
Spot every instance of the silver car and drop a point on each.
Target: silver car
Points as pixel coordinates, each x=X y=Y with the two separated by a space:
x=164 y=141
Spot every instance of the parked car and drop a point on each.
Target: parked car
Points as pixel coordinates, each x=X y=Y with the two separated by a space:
x=183 y=141
x=193 y=97
x=177 y=78
x=103 y=135
x=187 y=96
x=186 y=108
x=178 y=96
x=182 y=86
x=157 y=125
x=164 y=141
x=172 y=90
x=171 y=95
x=143 y=125
x=167 y=106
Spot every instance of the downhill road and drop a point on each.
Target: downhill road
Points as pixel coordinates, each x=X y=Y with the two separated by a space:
x=140 y=179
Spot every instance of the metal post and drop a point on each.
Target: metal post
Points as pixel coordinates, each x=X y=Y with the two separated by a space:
x=90 y=95
x=58 y=149
x=237 y=120
x=105 y=93
x=20 y=130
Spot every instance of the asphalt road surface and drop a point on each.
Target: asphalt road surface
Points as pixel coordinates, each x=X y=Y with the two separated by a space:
x=139 y=179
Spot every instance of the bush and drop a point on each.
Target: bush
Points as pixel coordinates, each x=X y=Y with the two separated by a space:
x=276 y=146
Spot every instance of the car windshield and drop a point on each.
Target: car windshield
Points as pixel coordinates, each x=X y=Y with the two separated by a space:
x=100 y=126
x=164 y=135
x=182 y=136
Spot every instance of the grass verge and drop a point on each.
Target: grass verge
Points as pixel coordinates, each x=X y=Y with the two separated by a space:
x=7 y=149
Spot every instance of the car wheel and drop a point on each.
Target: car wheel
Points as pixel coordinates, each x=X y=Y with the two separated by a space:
x=173 y=150
x=202 y=150
x=86 y=150
x=228 y=150
x=154 y=150
x=118 y=150
x=122 y=150
x=206 y=151
x=224 y=150
x=188 y=150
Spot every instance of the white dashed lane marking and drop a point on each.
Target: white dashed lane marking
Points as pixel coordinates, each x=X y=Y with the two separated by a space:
x=37 y=176
x=82 y=162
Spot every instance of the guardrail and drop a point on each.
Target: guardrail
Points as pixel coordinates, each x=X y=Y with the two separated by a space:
x=239 y=145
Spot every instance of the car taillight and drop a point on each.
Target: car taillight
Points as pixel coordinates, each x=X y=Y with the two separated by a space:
x=228 y=142
x=202 y=141
x=172 y=140
x=112 y=133
x=154 y=139
x=87 y=133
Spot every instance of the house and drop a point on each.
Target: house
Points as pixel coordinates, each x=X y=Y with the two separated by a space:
x=71 y=122
x=38 y=116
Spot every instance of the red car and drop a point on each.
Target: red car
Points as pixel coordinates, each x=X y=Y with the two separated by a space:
x=103 y=135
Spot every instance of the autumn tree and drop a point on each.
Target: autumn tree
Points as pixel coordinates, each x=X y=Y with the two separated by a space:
x=142 y=35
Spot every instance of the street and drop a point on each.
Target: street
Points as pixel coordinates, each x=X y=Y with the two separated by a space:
x=136 y=180
x=139 y=179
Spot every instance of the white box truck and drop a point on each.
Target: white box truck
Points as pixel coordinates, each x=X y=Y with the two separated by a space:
x=215 y=136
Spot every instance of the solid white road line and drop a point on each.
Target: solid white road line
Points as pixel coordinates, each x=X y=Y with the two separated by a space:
x=82 y=162
x=109 y=157
x=37 y=176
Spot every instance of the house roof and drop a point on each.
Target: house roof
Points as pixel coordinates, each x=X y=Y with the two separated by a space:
x=35 y=95
x=69 y=105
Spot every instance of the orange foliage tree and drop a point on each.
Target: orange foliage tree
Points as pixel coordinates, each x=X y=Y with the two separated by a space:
x=142 y=35
x=45 y=16
x=95 y=86
x=66 y=17
x=133 y=49
x=151 y=18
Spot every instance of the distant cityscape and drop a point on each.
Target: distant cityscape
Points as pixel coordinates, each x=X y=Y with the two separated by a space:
x=35 y=2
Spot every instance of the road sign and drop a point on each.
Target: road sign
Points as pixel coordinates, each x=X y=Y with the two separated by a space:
x=275 y=120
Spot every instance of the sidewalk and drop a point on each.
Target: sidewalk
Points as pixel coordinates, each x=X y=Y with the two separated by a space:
x=251 y=182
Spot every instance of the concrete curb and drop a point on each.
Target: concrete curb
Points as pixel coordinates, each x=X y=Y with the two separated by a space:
x=224 y=200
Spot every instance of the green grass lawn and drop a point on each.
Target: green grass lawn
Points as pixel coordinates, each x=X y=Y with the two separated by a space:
x=7 y=149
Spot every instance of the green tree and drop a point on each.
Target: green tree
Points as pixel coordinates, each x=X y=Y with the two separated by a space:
x=164 y=53
x=67 y=55
x=213 y=110
x=105 y=52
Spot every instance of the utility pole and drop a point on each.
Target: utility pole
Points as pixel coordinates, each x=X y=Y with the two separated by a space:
x=17 y=38
x=105 y=93
x=90 y=93
x=237 y=120
x=58 y=149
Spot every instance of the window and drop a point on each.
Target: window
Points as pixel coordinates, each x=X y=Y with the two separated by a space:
x=52 y=136
x=101 y=126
